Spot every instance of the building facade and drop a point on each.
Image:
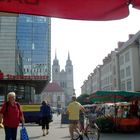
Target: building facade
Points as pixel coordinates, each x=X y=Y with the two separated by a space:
x=10 y=58
x=25 y=50
x=129 y=64
x=64 y=77
x=54 y=94
x=120 y=69
x=106 y=74
x=33 y=39
x=96 y=85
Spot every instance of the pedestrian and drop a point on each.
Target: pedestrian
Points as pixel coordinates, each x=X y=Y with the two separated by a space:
x=73 y=111
x=46 y=114
x=58 y=111
x=12 y=115
x=120 y=112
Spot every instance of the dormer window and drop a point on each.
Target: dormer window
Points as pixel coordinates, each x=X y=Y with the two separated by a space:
x=56 y=70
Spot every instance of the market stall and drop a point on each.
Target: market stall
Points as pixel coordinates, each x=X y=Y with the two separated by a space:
x=125 y=105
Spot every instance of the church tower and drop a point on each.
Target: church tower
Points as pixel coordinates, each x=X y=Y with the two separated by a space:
x=69 y=78
x=64 y=77
x=55 y=70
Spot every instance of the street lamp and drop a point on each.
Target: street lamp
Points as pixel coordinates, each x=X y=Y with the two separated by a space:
x=32 y=49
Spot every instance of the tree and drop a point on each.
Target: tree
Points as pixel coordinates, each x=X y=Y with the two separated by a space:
x=83 y=99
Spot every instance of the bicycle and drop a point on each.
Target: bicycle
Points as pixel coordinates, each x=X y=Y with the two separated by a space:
x=90 y=132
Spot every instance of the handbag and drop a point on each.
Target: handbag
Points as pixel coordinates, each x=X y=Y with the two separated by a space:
x=23 y=133
x=50 y=118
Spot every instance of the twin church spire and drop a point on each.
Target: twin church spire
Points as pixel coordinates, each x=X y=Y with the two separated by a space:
x=56 y=61
x=64 y=77
x=56 y=72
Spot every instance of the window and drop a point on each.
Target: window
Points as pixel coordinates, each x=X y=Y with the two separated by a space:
x=63 y=84
x=127 y=57
x=58 y=98
x=121 y=59
x=122 y=74
x=129 y=85
x=56 y=70
x=110 y=78
x=114 y=70
x=110 y=67
x=123 y=86
x=115 y=82
x=128 y=72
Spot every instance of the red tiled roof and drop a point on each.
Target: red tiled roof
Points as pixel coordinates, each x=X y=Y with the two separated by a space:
x=53 y=87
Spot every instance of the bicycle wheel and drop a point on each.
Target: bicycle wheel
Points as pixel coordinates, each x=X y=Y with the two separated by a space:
x=92 y=133
x=75 y=136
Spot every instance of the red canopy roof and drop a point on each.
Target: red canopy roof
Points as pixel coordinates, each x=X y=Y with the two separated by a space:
x=53 y=87
x=71 y=9
x=135 y=3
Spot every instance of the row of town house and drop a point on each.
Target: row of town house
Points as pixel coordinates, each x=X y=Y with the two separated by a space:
x=120 y=69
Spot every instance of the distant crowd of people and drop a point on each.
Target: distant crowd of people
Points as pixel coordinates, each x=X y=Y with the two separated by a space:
x=122 y=110
x=128 y=111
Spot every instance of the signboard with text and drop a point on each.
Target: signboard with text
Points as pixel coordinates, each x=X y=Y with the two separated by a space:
x=25 y=77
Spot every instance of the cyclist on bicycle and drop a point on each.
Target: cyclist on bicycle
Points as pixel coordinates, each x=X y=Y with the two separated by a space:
x=73 y=111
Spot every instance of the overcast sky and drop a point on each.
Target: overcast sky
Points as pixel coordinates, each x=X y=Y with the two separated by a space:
x=89 y=42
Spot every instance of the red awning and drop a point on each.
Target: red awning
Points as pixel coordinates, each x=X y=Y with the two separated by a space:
x=71 y=9
x=136 y=3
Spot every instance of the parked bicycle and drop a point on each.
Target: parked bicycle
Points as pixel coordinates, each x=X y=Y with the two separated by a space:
x=89 y=129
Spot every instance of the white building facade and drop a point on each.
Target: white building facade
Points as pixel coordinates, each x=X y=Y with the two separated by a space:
x=120 y=69
x=54 y=94
x=96 y=79
x=129 y=64
x=106 y=74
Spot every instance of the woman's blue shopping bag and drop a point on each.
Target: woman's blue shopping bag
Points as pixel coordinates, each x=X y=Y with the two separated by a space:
x=23 y=133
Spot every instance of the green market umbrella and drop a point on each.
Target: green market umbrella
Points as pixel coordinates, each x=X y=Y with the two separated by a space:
x=114 y=96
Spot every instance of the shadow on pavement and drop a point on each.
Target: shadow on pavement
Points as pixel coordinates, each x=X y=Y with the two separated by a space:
x=30 y=124
x=62 y=127
x=66 y=137
x=35 y=137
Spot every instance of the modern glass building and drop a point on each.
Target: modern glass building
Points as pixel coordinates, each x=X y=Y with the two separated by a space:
x=33 y=39
x=25 y=50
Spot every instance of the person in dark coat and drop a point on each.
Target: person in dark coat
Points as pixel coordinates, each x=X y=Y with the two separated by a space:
x=46 y=114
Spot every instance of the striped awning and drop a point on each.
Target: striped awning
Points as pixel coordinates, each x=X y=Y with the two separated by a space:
x=114 y=96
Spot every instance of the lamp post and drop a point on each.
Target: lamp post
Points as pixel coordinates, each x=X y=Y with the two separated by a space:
x=32 y=49
x=32 y=45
